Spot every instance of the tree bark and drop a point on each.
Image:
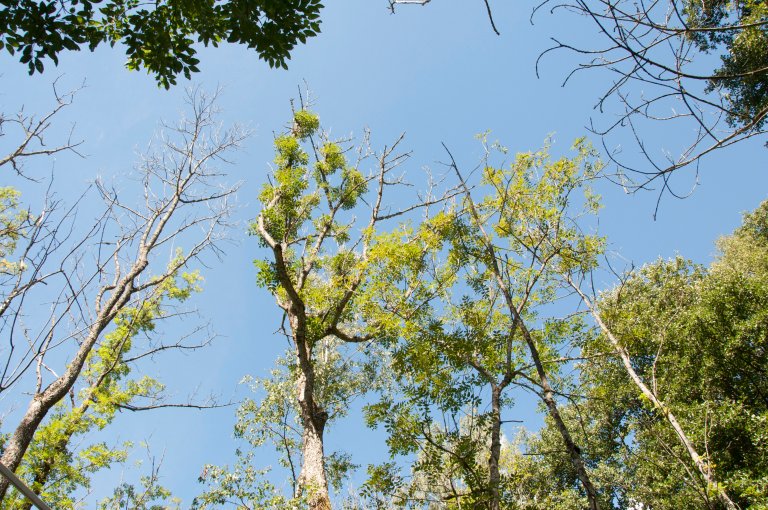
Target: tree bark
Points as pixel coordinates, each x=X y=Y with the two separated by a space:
x=574 y=452
x=312 y=482
x=494 y=477
x=312 y=479
x=704 y=467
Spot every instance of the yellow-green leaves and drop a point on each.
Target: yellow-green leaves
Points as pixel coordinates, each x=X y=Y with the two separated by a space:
x=12 y=222
x=305 y=124
x=537 y=202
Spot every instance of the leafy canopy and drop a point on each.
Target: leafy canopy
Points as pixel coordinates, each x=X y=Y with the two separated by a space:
x=158 y=36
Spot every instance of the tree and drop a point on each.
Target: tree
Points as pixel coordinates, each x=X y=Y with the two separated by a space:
x=51 y=467
x=488 y=332
x=677 y=412
x=276 y=418
x=158 y=36
x=100 y=290
x=697 y=66
x=694 y=64
x=324 y=263
x=149 y=495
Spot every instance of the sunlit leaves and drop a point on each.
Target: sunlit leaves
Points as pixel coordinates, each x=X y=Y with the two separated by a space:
x=56 y=465
x=12 y=223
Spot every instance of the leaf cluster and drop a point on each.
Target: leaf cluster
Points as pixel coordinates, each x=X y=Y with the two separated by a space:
x=159 y=37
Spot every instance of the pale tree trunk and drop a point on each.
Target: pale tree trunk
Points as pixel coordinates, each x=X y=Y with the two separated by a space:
x=312 y=479
x=312 y=482
x=44 y=401
x=704 y=467
x=43 y=472
x=494 y=477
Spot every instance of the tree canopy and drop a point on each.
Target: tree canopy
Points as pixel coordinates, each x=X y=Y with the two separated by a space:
x=159 y=36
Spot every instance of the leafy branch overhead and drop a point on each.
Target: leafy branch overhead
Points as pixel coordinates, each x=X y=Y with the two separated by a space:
x=158 y=36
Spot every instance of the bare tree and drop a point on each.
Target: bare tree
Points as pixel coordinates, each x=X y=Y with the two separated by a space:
x=29 y=133
x=394 y=3
x=698 y=66
x=97 y=274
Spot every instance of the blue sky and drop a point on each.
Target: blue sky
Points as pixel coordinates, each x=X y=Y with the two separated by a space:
x=437 y=73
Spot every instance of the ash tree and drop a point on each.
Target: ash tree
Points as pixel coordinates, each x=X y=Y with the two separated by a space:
x=490 y=329
x=326 y=266
x=81 y=296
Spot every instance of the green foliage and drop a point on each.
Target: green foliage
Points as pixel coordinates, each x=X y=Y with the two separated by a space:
x=12 y=223
x=303 y=210
x=149 y=495
x=737 y=30
x=243 y=486
x=53 y=466
x=697 y=337
x=454 y=352
x=159 y=37
x=274 y=419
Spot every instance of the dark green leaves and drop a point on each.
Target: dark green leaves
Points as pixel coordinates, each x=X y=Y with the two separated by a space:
x=160 y=39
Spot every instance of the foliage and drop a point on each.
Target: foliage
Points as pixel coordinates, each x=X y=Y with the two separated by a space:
x=738 y=33
x=461 y=358
x=149 y=495
x=54 y=465
x=275 y=418
x=243 y=486
x=12 y=223
x=697 y=336
x=158 y=36
x=325 y=269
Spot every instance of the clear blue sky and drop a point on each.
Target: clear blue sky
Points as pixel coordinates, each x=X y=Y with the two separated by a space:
x=439 y=74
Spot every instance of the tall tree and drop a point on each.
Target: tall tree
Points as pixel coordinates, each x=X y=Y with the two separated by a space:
x=52 y=467
x=158 y=36
x=108 y=270
x=489 y=333
x=323 y=261
x=677 y=410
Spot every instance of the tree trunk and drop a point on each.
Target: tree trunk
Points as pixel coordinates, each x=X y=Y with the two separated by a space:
x=704 y=467
x=574 y=452
x=44 y=401
x=43 y=472
x=20 y=440
x=548 y=396
x=494 y=477
x=312 y=481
